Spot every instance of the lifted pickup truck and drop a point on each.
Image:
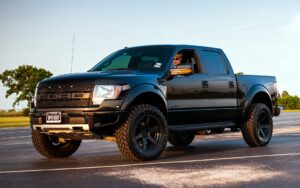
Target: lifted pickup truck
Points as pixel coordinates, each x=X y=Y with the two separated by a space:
x=137 y=97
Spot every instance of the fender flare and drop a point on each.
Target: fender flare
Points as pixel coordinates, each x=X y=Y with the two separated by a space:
x=250 y=96
x=138 y=90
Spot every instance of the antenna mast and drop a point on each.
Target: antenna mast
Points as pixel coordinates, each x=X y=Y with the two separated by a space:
x=72 y=52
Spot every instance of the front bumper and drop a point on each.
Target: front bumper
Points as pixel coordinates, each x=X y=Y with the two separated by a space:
x=77 y=122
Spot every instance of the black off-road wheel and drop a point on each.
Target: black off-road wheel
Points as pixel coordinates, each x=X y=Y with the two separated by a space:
x=143 y=136
x=181 y=139
x=52 y=146
x=258 y=128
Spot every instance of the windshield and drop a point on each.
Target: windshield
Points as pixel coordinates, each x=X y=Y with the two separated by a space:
x=150 y=58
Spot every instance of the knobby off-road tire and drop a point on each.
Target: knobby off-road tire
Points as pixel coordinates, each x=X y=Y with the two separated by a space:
x=181 y=139
x=50 y=146
x=258 y=128
x=143 y=136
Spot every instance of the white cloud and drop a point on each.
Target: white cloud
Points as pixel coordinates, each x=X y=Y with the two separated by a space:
x=236 y=28
x=294 y=25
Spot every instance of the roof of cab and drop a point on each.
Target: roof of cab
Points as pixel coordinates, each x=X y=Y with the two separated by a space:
x=177 y=46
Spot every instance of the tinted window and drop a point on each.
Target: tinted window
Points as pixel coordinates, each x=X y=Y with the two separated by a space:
x=214 y=62
x=118 y=63
x=151 y=58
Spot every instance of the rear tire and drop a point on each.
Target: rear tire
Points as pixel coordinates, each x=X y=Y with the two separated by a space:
x=258 y=128
x=52 y=147
x=181 y=139
x=143 y=136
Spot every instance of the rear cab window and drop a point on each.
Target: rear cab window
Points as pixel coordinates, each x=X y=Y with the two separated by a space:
x=214 y=62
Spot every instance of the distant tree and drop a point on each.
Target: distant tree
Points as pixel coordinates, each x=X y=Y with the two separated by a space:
x=288 y=101
x=285 y=93
x=25 y=111
x=22 y=82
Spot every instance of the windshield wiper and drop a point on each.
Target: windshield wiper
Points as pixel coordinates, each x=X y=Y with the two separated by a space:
x=120 y=69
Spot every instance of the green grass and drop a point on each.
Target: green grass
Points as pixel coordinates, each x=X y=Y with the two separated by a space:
x=11 y=114
x=291 y=111
x=14 y=122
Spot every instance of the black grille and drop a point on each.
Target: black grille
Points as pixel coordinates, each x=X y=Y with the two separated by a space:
x=64 y=95
x=63 y=103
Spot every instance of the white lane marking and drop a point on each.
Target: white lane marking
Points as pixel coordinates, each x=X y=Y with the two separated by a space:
x=87 y=141
x=12 y=132
x=16 y=143
x=280 y=122
x=287 y=117
x=14 y=128
x=149 y=164
x=286 y=120
x=13 y=137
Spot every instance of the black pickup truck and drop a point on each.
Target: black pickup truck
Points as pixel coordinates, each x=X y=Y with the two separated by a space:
x=139 y=98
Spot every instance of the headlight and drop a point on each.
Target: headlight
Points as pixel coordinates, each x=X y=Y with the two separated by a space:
x=35 y=95
x=102 y=92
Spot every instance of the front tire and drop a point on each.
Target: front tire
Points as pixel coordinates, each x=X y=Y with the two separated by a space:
x=258 y=128
x=181 y=139
x=143 y=136
x=52 y=146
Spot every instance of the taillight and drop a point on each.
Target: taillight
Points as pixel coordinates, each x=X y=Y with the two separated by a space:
x=276 y=88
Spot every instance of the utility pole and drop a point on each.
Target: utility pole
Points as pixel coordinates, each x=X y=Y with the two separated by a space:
x=72 y=52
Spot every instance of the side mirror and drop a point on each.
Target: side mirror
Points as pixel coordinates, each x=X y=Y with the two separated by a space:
x=182 y=70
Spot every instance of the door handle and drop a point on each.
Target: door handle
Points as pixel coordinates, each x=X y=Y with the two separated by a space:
x=231 y=84
x=204 y=84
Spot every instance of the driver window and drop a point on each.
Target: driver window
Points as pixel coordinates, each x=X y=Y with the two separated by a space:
x=189 y=57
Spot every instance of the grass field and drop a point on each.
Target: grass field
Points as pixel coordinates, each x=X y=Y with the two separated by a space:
x=14 y=121
x=291 y=111
x=11 y=114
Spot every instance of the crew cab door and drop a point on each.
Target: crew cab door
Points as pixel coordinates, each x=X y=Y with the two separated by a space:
x=187 y=96
x=221 y=83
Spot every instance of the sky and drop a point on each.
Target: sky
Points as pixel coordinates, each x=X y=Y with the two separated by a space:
x=259 y=37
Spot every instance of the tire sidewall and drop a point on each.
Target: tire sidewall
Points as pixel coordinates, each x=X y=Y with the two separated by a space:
x=250 y=126
x=134 y=119
x=44 y=145
x=181 y=138
x=263 y=109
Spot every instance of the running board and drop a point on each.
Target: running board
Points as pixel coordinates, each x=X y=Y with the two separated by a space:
x=200 y=126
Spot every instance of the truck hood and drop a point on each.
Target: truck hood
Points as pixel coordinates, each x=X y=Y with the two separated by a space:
x=132 y=77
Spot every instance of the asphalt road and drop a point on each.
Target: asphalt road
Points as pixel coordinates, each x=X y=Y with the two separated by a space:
x=221 y=160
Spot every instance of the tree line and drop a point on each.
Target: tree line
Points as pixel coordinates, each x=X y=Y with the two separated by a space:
x=288 y=101
x=14 y=113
